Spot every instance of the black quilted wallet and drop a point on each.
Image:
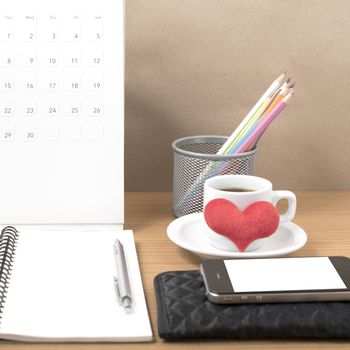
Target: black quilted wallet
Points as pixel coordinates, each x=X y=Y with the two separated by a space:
x=185 y=313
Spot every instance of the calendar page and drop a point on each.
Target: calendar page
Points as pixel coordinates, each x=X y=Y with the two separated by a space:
x=61 y=111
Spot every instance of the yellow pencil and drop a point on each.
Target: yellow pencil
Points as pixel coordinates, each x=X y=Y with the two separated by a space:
x=250 y=122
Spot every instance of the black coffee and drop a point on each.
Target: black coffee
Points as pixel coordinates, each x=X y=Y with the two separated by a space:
x=236 y=189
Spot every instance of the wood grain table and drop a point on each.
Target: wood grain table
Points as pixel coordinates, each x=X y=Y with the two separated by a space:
x=325 y=216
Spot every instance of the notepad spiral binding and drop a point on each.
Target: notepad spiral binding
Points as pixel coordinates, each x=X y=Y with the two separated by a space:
x=8 y=243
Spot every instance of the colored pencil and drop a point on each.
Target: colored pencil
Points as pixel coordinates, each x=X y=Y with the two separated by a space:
x=269 y=92
x=264 y=125
x=274 y=103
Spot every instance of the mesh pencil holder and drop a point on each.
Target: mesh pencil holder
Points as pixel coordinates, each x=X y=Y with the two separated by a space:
x=195 y=160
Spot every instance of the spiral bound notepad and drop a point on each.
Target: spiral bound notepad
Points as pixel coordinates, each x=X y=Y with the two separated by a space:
x=57 y=286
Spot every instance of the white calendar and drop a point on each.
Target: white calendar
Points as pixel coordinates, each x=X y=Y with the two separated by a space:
x=61 y=111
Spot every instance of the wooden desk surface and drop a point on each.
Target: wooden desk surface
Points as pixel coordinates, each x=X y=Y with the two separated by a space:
x=325 y=216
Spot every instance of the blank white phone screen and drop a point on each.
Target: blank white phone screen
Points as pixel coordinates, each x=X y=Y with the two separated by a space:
x=287 y=274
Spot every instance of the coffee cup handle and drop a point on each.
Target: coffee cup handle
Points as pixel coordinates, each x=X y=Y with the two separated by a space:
x=292 y=204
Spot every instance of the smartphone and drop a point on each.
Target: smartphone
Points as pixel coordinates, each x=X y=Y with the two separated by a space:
x=300 y=279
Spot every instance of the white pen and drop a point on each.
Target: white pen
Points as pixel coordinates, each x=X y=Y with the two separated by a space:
x=122 y=283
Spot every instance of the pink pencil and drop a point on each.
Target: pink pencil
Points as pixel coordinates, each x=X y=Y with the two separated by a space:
x=264 y=125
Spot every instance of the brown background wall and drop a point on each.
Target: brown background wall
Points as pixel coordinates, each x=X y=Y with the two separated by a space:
x=197 y=67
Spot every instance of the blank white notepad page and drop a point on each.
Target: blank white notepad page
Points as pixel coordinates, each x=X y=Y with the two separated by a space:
x=61 y=111
x=61 y=288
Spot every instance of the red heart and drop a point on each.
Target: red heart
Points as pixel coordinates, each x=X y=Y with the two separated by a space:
x=259 y=220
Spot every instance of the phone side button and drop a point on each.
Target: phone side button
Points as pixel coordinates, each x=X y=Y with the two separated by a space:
x=244 y=298
x=258 y=298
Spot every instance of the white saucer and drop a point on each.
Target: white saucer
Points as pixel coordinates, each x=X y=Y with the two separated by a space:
x=188 y=232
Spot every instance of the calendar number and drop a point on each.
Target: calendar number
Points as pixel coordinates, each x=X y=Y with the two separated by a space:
x=72 y=58
x=5 y=34
x=48 y=107
x=71 y=107
x=94 y=82
x=28 y=32
x=6 y=135
x=95 y=57
x=6 y=28
x=26 y=57
x=48 y=29
x=26 y=132
x=52 y=85
x=71 y=30
x=95 y=30
x=95 y=107
x=26 y=106
x=6 y=57
x=71 y=82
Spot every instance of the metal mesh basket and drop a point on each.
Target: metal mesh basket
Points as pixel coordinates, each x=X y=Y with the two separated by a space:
x=195 y=160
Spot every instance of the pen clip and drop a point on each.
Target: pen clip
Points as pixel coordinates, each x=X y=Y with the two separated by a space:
x=116 y=287
x=124 y=302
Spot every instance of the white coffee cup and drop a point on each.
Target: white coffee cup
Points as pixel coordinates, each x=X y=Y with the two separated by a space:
x=258 y=189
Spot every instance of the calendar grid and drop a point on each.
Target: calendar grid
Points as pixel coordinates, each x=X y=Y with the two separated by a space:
x=51 y=77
